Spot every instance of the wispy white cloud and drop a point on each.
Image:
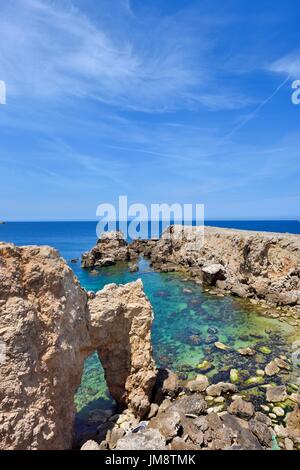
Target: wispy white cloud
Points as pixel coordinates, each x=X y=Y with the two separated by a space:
x=288 y=65
x=50 y=51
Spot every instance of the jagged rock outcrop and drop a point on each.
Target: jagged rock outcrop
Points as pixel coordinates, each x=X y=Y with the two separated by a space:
x=47 y=331
x=112 y=247
x=120 y=320
x=261 y=265
x=249 y=264
x=43 y=325
x=203 y=419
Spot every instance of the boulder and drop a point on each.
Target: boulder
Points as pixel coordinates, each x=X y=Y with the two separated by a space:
x=276 y=393
x=178 y=443
x=110 y=248
x=218 y=389
x=244 y=439
x=167 y=384
x=234 y=376
x=241 y=408
x=133 y=268
x=213 y=273
x=272 y=369
x=246 y=352
x=168 y=424
x=90 y=445
x=149 y=439
x=262 y=418
x=293 y=422
x=221 y=346
x=193 y=405
x=200 y=384
x=240 y=290
x=261 y=431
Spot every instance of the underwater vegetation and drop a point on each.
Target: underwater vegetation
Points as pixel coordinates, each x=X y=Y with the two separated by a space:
x=196 y=332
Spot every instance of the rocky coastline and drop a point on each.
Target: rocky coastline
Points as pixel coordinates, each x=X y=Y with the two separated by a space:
x=200 y=416
x=260 y=266
x=49 y=325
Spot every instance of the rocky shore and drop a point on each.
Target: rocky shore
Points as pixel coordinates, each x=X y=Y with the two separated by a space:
x=49 y=325
x=261 y=266
x=200 y=416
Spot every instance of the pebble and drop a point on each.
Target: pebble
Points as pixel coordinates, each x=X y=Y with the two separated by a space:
x=265 y=408
x=288 y=443
x=234 y=375
x=278 y=411
x=221 y=346
x=219 y=400
x=235 y=397
x=295 y=397
x=280 y=431
x=254 y=380
x=273 y=416
x=215 y=409
x=209 y=398
x=125 y=426
x=246 y=351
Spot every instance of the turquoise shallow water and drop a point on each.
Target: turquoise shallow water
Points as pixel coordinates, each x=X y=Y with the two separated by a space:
x=188 y=320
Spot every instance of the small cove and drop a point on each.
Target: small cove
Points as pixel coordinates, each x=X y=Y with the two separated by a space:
x=188 y=321
x=184 y=312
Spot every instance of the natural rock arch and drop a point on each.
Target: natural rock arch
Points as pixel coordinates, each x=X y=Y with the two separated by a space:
x=48 y=326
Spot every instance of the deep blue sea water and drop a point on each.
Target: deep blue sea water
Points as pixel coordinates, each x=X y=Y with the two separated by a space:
x=73 y=238
x=184 y=312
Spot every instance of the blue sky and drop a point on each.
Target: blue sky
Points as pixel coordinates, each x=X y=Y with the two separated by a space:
x=161 y=100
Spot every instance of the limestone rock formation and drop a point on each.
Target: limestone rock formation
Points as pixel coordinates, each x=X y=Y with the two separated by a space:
x=112 y=247
x=257 y=264
x=248 y=264
x=48 y=331
x=121 y=319
x=43 y=325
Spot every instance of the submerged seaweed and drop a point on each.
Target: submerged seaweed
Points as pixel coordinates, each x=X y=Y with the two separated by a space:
x=188 y=321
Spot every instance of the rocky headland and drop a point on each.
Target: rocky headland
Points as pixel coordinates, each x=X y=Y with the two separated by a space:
x=261 y=266
x=49 y=325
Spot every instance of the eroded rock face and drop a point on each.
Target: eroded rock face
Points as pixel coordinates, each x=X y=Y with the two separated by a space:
x=248 y=264
x=260 y=265
x=47 y=331
x=112 y=247
x=121 y=319
x=43 y=325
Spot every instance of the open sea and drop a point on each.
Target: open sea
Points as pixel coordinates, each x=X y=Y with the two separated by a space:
x=188 y=319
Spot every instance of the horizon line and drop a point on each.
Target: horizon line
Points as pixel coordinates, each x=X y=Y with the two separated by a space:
x=211 y=219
